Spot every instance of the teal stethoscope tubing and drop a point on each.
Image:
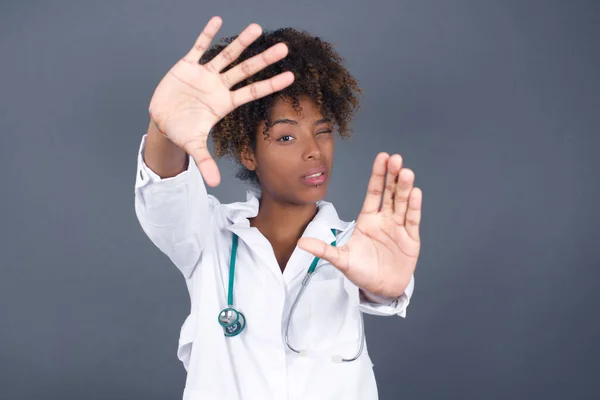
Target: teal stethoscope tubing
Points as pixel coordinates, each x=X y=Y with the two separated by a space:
x=232 y=321
x=305 y=282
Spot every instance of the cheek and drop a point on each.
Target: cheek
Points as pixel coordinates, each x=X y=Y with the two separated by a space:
x=327 y=147
x=275 y=166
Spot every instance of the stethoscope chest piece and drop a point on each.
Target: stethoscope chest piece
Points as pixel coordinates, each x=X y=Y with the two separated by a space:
x=232 y=321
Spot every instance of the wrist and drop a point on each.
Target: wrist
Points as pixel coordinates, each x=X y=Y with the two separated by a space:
x=377 y=298
x=153 y=128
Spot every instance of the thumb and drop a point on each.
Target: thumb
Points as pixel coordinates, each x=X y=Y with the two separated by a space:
x=320 y=249
x=208 y=169
x=204 y=161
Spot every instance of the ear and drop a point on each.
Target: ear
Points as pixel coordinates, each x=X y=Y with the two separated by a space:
x=248 y=158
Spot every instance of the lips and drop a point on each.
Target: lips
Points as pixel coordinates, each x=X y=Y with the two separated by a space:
x=313 y=171
x=315 y=176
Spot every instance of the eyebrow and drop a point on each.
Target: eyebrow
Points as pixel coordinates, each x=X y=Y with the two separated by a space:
x=292 y=122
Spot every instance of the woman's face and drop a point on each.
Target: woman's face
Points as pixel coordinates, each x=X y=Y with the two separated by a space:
x=294 y=162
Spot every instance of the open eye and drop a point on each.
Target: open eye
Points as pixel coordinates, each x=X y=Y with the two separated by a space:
x=285 y=138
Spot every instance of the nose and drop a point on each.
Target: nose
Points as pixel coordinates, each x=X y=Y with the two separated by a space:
x=312 y=151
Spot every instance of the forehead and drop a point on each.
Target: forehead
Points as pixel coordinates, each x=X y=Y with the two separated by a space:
x=282 y=107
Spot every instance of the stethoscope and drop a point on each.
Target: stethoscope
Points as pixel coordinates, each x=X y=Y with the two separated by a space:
x=234 y=322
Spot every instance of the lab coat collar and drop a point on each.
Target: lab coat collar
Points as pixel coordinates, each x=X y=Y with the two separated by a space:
x=320 y=228
x=239 y=213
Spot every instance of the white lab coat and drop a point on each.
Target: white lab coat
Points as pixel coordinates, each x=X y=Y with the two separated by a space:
x=195 y=231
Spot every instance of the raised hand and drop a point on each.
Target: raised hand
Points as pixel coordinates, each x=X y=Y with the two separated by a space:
x=191 y=98
x=382 y=253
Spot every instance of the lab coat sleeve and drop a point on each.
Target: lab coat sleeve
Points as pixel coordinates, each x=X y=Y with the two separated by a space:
x=395 y=307
x=173 y=212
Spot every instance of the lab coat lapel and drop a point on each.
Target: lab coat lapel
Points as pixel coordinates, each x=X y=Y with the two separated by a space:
x=239 y=214
x=319 y=228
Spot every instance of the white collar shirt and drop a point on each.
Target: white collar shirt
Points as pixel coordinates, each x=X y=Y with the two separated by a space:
x=195 y=230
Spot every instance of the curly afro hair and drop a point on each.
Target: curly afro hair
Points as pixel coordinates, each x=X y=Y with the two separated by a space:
x=318 y=74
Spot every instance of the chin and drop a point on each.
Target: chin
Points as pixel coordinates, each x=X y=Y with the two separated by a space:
x=315 y=193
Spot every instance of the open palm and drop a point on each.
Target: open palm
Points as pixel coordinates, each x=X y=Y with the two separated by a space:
x=192 y=97
x=381 y=256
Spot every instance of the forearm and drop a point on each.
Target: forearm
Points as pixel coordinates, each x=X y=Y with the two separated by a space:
x=162 y=156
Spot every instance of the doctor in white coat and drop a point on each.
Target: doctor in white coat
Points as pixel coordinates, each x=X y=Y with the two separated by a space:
x=258 y=328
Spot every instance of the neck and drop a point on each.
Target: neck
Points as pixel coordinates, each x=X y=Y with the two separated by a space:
x=282 y=222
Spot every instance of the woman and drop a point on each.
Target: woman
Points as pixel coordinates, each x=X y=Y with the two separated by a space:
x=272 y=101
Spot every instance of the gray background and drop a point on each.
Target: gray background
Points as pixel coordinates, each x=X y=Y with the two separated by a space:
x=494 y=104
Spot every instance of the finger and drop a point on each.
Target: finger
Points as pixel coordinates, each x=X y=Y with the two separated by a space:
x=406 y=180
x=329 y=253
x=413 y=215
x=254 y=64
x=262 y=88
x=376 y=185
x=198 y=150
x=233 y=50
x=204 y=40
x=394 y=165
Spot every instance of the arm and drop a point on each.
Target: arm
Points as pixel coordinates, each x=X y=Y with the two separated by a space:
x=172 y=208
x=171 y=202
